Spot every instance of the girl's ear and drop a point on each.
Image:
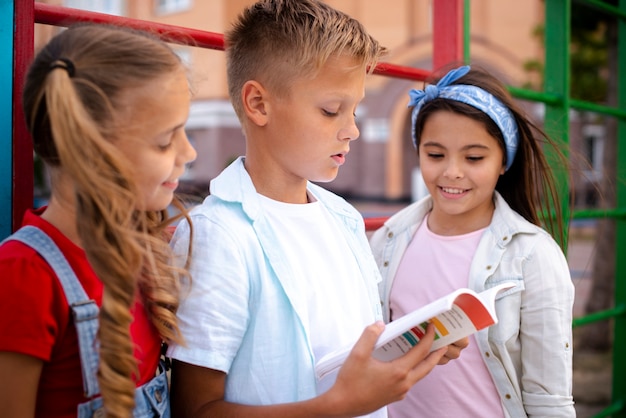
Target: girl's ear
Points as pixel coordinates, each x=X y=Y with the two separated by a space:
x=254 y=98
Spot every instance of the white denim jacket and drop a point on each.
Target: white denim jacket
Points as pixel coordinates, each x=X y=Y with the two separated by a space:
x=529 y=352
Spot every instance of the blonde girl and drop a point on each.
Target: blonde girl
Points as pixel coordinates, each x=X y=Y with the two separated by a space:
x=88 y=289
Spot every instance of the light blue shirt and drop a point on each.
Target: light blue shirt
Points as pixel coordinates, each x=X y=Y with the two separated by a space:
x=245 y=312
x=529 y=352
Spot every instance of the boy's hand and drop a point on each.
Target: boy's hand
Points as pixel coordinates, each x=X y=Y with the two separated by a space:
x=365 y=384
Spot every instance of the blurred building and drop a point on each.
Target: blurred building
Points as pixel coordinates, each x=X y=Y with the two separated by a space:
x=381 y=163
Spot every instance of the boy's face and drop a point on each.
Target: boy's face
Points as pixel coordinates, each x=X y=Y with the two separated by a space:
x=311 y=126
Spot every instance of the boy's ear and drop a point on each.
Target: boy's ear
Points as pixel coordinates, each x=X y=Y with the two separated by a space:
x=254 y=97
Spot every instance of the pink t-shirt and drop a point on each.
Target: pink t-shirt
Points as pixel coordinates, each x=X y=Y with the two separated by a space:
x=433 y=266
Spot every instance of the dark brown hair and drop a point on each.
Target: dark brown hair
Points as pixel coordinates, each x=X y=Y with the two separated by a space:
x=529 y=185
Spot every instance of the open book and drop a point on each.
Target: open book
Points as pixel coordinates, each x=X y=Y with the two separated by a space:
x=455 y=316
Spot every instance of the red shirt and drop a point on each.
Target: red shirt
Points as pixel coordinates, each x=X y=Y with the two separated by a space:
x=35 y=320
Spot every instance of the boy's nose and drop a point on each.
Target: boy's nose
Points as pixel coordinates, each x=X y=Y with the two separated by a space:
x=350 y=132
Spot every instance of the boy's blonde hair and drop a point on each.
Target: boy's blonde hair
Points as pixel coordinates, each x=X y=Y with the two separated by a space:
x=278 y=41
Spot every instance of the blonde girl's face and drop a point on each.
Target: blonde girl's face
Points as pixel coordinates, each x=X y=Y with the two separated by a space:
x=460 y=164
x=154 y=139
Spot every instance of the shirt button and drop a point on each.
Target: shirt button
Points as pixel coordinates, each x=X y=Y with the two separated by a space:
x=505 y=238
x=489 y=267
x=487 y=354
x=508 y=396
x=386 y=263
x=390 y=235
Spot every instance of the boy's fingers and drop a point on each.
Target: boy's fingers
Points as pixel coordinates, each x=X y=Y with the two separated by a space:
x=368 y=338
x=427 y=364
x=418 y=353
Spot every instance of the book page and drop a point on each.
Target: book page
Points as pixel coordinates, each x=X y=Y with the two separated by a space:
x=455 y=316
x=450 y=326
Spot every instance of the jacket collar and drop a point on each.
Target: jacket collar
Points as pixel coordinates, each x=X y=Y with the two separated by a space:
x=234 y=185
x=505 y=222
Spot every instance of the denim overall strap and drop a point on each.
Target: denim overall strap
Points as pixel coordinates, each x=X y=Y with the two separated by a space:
x=84 y=310
x=152 y=400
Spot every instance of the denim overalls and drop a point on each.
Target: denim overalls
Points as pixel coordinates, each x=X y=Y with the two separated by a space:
x=151 y=399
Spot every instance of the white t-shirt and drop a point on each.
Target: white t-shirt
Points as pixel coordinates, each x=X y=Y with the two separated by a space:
x=331 y=279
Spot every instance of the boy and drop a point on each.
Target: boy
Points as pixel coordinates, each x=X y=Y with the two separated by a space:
x=282 y=270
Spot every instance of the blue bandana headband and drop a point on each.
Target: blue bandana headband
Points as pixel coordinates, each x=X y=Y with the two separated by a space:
x=473 y=96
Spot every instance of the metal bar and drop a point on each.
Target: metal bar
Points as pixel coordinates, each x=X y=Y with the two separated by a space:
x=23 y=183
x=535 y=96
x=408 y=73
x=619 y=333
x=604 y=7
x=557 y=81
x=600 y=213
x=447 y=32
x=555 y=100
x=467 y=31
x=594 y=107
x=66 y=16
x=6 y=151
x=599 y=316
x=611 y=410
x=374 y=223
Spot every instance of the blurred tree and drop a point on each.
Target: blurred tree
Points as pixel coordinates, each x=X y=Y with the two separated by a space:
x=593 y=63
x=595 y=78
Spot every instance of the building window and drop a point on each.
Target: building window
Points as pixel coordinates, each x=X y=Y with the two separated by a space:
x=112 y=7
x=593 y=148
x=172 y=6
x=375 y=130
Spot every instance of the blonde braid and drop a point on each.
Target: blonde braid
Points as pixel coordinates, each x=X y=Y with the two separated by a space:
x=160 y=282
x=106 y=229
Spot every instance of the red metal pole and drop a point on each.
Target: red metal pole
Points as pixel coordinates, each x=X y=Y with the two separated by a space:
x=65 y=16
x=398 y=71
x=372 y=224
x=447 y=32
x=23 y=183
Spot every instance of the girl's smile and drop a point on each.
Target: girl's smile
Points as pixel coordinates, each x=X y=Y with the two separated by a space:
x=461 y=163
